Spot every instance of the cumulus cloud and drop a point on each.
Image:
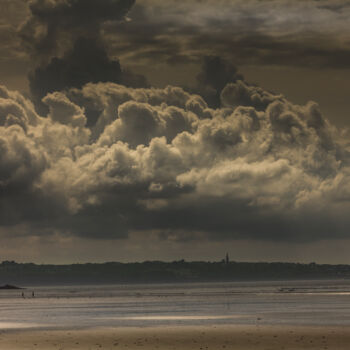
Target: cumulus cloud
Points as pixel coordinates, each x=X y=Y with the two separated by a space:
x=240 y=94
x=161 y=160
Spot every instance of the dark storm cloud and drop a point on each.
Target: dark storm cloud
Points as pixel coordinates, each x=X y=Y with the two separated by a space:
x=312 y=34
x=160 y=160
x=65 y=38
x=260 y=49
x=54 y=22
x=303 y=33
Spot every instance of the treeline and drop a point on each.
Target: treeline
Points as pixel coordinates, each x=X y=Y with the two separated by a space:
x=157 y=271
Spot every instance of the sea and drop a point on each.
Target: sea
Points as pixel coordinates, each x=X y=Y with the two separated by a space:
x=315 y=303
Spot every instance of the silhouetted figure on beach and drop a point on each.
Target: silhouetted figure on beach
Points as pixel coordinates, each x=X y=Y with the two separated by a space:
x=22 y=295
x=33 y=296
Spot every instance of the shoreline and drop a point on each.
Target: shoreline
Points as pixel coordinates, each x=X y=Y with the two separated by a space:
x=235 y=337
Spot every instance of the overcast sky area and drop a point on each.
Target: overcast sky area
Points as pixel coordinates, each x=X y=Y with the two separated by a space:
x=162 y=130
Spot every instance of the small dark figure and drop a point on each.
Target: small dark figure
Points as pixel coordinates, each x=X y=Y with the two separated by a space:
x=22 y=295
x=33 y=295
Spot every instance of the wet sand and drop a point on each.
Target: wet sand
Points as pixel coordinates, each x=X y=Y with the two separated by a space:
x=181 y=338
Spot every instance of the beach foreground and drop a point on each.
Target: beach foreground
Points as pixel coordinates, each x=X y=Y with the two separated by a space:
x=184 y=338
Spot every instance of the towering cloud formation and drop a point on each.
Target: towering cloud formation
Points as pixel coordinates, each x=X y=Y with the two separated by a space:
x=54 y=24
x=64 y=39
x=161 y=160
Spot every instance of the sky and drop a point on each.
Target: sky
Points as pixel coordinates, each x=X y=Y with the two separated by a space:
x=164 y=130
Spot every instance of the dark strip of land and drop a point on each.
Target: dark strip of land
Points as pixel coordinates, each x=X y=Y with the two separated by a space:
x=156 y=271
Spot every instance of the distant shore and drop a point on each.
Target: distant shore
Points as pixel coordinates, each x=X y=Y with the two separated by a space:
x=166 y=272
x=183 y=338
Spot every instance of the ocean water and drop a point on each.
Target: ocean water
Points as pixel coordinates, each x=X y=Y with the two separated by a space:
x=244 y=303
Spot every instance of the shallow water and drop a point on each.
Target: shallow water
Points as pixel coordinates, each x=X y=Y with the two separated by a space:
x=295 y=303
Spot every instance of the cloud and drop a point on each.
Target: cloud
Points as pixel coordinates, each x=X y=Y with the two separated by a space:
x=53 y=23
x=162 y=161
x=65 y=41
x=62 y=110
x=283 y=33
x=215 y=74
x=175 y=35
x=240 y=94
x=87 y=62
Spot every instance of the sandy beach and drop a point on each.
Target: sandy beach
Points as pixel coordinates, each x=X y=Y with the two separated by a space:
x=184 y=338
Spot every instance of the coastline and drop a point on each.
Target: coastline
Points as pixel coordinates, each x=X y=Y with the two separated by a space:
x=235 y=337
